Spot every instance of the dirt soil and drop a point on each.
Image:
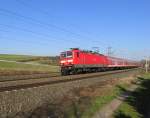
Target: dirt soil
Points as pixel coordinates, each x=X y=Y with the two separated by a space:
x=58 y=110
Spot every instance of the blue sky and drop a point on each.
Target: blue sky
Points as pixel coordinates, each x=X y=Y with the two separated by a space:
x=47 y=27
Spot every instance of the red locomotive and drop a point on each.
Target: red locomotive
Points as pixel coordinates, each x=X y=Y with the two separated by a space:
x=77 y=61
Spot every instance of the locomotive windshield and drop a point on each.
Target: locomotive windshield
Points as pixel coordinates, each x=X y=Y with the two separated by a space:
x=63 y=55
x=67 y=54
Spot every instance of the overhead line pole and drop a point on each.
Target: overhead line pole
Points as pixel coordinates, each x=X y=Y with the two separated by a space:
x=146 y=65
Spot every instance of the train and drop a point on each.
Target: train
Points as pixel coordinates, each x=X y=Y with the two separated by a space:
x=76 y=61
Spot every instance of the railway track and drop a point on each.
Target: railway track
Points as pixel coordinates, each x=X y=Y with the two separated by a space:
x=27 y=76
x=54 y=80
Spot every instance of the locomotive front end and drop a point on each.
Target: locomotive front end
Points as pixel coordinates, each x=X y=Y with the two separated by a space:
x=66 y=62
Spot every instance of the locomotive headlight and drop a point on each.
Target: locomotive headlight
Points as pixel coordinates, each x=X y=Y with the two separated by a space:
x=62 y=61
x=70 y=60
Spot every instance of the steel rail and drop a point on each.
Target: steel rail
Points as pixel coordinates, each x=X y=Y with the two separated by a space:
x=61 y=80
x=26 y=77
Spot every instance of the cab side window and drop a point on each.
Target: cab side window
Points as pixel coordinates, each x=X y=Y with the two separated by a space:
x=78 y=54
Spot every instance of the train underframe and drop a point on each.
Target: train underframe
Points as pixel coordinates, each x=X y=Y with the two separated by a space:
x=71 y=70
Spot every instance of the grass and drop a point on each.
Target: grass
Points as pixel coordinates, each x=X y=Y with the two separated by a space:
x=138 y=104
x=86 y=107
x=27 y=67
x=53 y=60
x=11 y=68
x=99 y=101
x=126 y=111
x=10 y=57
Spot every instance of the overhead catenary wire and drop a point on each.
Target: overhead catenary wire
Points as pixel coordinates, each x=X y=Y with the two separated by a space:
x=60 y=28
x=43 y=35
x=45 y=25
x=29 y=43
x=39 y=34
x=26 y=42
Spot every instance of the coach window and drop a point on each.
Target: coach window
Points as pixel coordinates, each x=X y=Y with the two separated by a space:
x=78 y=54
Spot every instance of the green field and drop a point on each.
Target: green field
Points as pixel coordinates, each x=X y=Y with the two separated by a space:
x=28 y=67
x=21 y=63
x=10 y=57
x=49 y=60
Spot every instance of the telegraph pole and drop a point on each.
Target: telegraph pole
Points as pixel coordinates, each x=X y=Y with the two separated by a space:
x=146 y=65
